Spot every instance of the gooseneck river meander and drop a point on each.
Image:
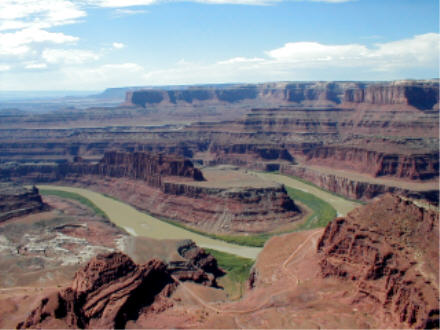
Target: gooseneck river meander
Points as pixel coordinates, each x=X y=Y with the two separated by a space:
x=138 y=223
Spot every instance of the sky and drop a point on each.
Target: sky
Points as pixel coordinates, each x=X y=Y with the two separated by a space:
x=98 y=44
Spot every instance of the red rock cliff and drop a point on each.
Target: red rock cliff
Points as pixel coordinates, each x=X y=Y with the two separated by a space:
x=146 y=166
x=18 y=201
x=389 y=248
x=106 y=293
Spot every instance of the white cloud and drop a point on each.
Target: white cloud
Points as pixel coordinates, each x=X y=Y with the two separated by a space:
x=4 y=67
x=121 y=3
x=18 y=42
x=315 y=61
x=305 y=52
x=36 y=66
x=123 y=12
x=118 y=45
x=415 y=57
x=241 y=60
x=68 y=56
x=46 y=13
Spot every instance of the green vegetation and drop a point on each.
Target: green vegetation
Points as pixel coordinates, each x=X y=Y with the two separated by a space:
x=317 y=187
x=257 y=240
x=323 y=212
x=76 y=197
x=238 y=270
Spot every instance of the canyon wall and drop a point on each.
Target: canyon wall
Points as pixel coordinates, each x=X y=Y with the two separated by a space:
x=18 y=201
x=382 y=129
x=389 y=250
x=166 y=186
x=376 y=163
x=148 y=167
x=415 y=94
x=357 y=189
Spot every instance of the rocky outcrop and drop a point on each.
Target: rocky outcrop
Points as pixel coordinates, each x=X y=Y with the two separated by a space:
x=231 y=94
x=106 y=293
x=18 y=201
x=111 y=290
x=412 y=166
x=382 y=129
x=247 y=154
x=422 y=95
x=198 y=266
x=215 y=210
x=389 y=249
x=167 y=186
x=357 y=189
x=146 y=166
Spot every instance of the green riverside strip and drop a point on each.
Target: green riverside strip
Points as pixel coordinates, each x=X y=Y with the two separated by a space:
x=141 y=224
x=76 y=197
x=323 y=212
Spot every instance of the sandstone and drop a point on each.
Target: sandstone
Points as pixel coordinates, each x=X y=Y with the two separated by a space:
x=17 y=201
x=382 y=129
x=171 y=187
x=111 y=290
x=389 y=249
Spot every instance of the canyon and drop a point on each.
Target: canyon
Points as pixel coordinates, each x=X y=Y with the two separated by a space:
x=374 y=268
x=385 y=130
x=198 y=157
x=171 y=187
x=18 y=201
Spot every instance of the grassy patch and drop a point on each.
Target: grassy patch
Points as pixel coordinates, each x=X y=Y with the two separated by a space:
x=318 y=187
x=256 y=240
x=76 y=197
x=322 y=214
x=238 y=270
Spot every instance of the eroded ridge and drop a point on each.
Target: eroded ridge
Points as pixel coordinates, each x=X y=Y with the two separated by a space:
x=389 y=249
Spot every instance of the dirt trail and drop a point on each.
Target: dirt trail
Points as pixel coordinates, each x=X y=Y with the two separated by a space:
x=269 y=298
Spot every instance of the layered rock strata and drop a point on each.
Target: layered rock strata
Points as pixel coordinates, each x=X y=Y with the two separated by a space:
x=215 y=210
x=17 y=201
x=106 y=293
x=422 y=95
x=358 y=188
x=112 y=290
x=389 y=250
x=148 y=167
x=166 y=186
x=386 y=129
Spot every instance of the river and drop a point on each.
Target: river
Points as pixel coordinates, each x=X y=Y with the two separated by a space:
x=138 y=223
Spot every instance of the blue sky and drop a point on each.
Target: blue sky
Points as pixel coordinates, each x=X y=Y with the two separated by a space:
x=95 y=44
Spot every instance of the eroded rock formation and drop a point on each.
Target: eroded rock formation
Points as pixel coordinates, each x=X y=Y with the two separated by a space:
x=111 y=290
x=384 y=129
x=107 y=292
x=420 y=95
x=389 y=249
x=168 y=186
x=17 y=201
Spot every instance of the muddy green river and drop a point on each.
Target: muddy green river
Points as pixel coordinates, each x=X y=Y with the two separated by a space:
x=138 y=223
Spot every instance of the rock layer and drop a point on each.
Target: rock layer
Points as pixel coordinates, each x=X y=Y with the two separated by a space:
x=420 y=95
x=106 y=293
x=17 y=201
x=389 y=249
x=111 y=290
